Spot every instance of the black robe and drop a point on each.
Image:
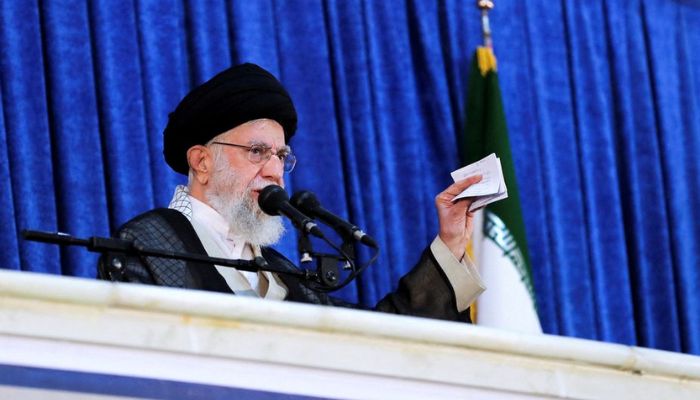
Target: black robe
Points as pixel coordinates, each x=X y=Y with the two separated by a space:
x=425 y=291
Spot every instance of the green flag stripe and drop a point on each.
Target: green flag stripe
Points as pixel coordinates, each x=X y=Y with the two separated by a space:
x=486 y=132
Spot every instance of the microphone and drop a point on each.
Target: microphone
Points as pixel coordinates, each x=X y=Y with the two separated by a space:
x=273 y=200
x=308 y=203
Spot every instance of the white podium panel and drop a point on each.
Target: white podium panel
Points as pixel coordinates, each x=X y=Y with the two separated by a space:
x=76 y=338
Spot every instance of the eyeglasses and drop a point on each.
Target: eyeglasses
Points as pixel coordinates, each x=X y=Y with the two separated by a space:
x=260 y=154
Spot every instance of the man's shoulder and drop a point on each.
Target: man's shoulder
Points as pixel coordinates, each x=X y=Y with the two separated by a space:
x=154 y=224
x=165 y=230
x=153 y=216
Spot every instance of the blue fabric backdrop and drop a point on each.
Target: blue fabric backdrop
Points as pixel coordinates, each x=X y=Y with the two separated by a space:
x=602 y=100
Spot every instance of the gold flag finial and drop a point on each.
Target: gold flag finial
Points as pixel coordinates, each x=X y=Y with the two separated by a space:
x=485 y=6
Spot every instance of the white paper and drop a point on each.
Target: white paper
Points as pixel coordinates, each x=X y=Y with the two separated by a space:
x=492 y=186
x=488 y=169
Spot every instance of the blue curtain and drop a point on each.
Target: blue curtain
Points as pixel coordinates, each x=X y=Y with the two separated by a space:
x=602 y=100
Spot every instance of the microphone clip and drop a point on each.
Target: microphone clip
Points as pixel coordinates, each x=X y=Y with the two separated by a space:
x=328 y=266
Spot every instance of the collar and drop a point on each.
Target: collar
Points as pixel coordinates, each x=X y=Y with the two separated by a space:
x=211 y=218
x=182 y=201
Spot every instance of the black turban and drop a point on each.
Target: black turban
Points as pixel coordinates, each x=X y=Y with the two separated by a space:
x=237 y=95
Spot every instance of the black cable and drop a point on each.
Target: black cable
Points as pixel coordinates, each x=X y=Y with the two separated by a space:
x=350 y=277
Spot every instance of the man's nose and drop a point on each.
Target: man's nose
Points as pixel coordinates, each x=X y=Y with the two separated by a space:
x=273 y=169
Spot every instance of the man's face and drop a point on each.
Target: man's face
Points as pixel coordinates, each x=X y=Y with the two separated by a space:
x=236 y=181
x=263 y=132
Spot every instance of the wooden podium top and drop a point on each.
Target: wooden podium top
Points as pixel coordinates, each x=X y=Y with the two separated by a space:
x=70 y=335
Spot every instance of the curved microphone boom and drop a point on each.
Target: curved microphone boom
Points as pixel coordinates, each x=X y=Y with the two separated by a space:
x=308 y=203
x=273 y=200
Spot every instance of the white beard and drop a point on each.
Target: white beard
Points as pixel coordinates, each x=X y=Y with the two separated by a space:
x=243 y=214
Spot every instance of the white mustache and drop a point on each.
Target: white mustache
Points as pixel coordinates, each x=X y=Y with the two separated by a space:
x=259 y=184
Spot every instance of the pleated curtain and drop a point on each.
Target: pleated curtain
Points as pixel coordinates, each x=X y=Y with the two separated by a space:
x=602 y=101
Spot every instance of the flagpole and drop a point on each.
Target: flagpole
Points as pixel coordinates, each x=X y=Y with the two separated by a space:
x=509 y=302
x=485 y=6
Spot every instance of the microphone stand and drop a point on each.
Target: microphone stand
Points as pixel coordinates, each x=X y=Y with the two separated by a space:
x=327 y=264
x=114 y=252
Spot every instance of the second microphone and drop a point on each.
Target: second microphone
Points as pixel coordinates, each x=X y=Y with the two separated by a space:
x=308 y=203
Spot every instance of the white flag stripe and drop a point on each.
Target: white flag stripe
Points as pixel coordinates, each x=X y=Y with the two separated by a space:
x=507 y=303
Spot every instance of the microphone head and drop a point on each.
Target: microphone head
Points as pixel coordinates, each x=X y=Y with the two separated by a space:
x=306 y=202
x=271 y=199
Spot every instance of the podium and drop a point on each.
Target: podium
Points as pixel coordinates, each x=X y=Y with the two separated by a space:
x=75 y=338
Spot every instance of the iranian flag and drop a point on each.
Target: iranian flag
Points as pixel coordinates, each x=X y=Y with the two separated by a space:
x=499 y=246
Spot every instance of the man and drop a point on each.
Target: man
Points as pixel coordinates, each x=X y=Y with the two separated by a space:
x=230 y=136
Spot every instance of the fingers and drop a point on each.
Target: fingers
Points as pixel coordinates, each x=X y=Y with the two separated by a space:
x=458 y=187
x=465 y=183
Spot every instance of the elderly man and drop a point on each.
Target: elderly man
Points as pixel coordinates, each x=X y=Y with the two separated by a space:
x=230 y=136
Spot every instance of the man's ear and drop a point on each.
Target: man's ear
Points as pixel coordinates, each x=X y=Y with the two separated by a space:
x=200 y=161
